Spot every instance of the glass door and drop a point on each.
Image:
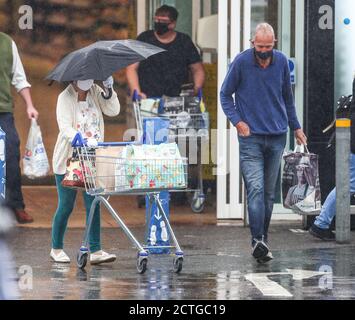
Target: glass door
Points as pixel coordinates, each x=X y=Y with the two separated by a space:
x=286 y=18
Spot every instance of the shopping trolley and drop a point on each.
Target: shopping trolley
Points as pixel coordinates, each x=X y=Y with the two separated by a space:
x=185 y=126
x=171 y=175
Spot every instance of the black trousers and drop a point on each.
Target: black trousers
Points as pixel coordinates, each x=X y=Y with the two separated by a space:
x=13 y=195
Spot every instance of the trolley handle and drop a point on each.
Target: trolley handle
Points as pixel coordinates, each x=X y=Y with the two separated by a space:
x=200 y=94
x=136 y=97
x=79 y=142
x=117 y=144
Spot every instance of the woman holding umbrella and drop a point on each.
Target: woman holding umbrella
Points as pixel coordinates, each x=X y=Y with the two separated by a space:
x=80 y=107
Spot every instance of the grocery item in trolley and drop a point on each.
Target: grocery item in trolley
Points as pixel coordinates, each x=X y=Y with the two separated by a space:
x=149 y=107
x=173 y=105
x=105 y=166
x=185 y=116
x=150 y=167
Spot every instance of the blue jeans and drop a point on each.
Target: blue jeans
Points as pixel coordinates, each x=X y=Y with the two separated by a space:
x=260 y=158
x=66 y=201
x=328 y=211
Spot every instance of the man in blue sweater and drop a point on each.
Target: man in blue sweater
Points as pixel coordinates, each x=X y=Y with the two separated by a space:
x=262 y=110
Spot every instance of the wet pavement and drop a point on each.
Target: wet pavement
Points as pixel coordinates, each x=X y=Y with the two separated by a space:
x=217 y=266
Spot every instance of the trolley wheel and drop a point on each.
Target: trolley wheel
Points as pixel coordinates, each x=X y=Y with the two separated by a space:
x=177 y=264
x=81 y=259
x=142 y=265
x=198 y=204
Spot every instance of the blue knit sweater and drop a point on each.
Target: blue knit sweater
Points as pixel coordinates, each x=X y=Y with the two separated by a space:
x=263 y=97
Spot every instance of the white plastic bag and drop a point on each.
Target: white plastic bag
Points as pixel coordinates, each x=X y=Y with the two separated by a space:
x=300 y=182
x=35 y=161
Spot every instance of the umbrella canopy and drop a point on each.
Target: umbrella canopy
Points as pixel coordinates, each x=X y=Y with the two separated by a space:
x=100 y=60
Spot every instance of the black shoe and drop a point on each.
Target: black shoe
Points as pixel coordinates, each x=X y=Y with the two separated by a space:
x=266 y=259
x=324 y=234
x=260 y=250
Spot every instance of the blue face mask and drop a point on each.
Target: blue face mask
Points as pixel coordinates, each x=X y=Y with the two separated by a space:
x=264 y=55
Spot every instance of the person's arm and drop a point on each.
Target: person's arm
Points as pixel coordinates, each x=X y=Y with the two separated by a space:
x=19 y=81
x=198 y=74
x=31 y=110
x=229 y=87
x=133 y=79
x=110 y=107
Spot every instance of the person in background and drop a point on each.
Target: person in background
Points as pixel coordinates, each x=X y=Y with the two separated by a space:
x=261 y=110
x=165 y=73
x=321 y=227
x=12 y=73
x=80 y=108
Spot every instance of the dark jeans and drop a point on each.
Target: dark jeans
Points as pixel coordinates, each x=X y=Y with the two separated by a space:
x=260 y=158
x=14 y=198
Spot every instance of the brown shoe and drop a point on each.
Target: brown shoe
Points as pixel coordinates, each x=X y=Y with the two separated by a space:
x=22 y=216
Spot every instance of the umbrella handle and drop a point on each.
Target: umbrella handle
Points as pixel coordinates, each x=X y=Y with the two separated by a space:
x=109 y=94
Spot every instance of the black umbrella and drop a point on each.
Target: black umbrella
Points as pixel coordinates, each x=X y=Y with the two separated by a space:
x=101 y=59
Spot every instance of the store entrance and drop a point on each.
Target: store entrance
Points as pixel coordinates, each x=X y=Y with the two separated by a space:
x=237 y=22
x=288 y=26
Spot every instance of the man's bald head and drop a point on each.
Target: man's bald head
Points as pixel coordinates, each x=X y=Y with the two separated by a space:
x=264 y=31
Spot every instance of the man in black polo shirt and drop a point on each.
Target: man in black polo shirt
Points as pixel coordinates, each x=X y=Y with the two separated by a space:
x=166 y=72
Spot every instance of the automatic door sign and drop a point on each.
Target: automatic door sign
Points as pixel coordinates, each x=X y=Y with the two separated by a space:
x=292 y=66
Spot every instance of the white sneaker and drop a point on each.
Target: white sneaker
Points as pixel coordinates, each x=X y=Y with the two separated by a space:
x=99 y=257
x=60 y=256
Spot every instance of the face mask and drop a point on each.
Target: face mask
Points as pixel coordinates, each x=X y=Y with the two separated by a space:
x=85 y=85
x=161 y=28
x=264 y=55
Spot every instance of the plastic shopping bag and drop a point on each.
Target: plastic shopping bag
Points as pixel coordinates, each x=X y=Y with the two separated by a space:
x=300 y=182
x=74 y=177
x=35 y=161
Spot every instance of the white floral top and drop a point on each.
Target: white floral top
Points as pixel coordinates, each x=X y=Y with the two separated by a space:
x=67 y=114
x=88 y=119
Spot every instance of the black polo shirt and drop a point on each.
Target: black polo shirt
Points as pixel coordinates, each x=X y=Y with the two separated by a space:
x=165 y=73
